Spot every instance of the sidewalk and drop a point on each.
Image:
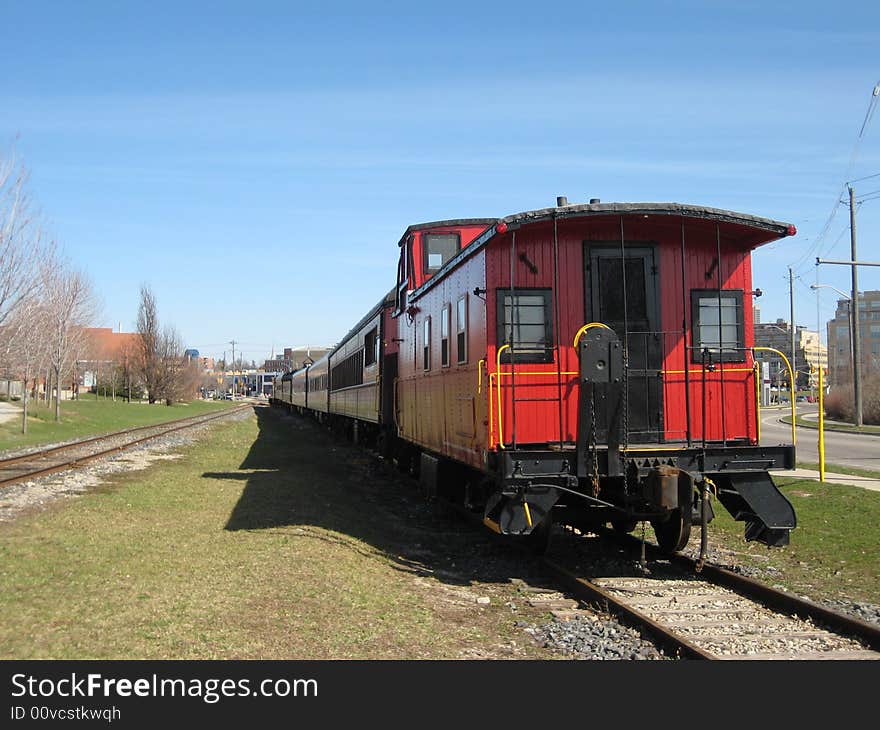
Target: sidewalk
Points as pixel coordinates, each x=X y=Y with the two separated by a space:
x=851 y=479
x=8 y=411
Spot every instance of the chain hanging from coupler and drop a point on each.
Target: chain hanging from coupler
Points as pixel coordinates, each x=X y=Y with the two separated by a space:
x=594 y=451
x=704 y=520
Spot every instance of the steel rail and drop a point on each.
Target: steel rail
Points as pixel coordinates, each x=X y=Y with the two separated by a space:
x=176 y=425
x=593 y=594
x=767 y=596
x=71 y=444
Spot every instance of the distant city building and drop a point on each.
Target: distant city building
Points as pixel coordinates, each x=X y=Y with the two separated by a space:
x=103 y=351
x=756 y=313
x=277 y=365
x=810 y=353
x=296 y=358
x=840 y=342
x=191 y=354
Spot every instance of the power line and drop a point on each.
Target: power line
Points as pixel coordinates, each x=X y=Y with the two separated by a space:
x=872 y=105
x=869 y=113
x=866 y=177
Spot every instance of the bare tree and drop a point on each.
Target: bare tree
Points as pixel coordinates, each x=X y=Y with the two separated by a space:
x=70 y=308
x=20 y=240
x=148 y=330
x=171 y=364
x=28 y=346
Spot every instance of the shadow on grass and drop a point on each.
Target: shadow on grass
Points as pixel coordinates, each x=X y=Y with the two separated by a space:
x=297 y=475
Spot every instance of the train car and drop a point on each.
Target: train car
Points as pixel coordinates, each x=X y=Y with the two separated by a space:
x=298 y=388
x=581 y=364
x=318 y=388
x=590 y=364
x=281 y=390
x=355 y=398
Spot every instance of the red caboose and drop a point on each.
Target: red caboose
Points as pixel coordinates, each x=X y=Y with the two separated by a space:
x=587 y=364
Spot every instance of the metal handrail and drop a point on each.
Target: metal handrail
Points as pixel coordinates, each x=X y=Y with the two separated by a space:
x=790 y=385
x=498 y=388
x=586 y=328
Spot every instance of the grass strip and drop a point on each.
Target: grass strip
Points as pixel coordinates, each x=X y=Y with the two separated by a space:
x=89 y=417
x=263 y=542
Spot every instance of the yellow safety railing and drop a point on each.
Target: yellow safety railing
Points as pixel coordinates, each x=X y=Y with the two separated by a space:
x=497 y=375
x=791 y=387
x=756 y=369
x=700 y=371
x=498 y=388
x=586 y=328
x=499 y=398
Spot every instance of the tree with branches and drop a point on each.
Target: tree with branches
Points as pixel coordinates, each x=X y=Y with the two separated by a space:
x=149 y=333
x=70 y=309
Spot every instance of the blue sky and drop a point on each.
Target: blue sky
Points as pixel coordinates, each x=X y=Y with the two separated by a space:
x=255 y=163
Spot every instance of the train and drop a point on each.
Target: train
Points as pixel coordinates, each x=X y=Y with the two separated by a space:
x=586 y=364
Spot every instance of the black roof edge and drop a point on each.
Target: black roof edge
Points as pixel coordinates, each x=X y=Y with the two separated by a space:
x=671 y=209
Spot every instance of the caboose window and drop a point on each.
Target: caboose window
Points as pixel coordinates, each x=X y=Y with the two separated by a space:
x=439 y=248
x=718 y=324
x=524 y=324
x=426 y=345
x=461 y=329
x=444 y=336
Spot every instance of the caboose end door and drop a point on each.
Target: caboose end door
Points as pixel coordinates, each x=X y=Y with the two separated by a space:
x=622 y=293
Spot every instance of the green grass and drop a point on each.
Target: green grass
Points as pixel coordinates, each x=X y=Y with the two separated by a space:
x=89 y=417
x=831 y=426
x=264 y=542
x=834 y=551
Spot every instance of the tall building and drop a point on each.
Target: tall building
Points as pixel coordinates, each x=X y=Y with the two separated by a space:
x=810 y=353
x=840 y=341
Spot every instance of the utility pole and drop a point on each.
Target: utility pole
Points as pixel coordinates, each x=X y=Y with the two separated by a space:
x=232 y=342
x=857 y=324
x=793 y=330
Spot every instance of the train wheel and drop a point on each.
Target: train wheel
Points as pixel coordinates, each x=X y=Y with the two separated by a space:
x=538 y=540
x=673 y=533
x=404 y=457
x=623 y=525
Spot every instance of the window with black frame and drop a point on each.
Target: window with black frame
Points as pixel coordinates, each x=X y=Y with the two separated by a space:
x=444 y=336
x=439 y=248
x=524 y=323
x=718 y=324
x=371 y=347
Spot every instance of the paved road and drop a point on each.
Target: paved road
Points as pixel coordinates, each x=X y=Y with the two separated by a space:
x=855 y=450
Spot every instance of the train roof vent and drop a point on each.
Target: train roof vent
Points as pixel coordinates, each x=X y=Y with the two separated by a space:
x=561 y=200
x=595 y=201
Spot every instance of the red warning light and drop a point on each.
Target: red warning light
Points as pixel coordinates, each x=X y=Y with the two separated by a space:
x=791 y=230
x=501 y=228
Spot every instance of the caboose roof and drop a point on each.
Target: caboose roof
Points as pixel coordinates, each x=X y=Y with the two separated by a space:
x=761 y=230
x=666 y=209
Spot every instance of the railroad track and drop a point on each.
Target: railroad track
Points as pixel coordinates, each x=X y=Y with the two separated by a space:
x=719 y=614
x=24 y=467
x=712 y=614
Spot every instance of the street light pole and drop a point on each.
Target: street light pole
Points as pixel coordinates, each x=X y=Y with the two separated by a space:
x=232 y=342
x=857 y=338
